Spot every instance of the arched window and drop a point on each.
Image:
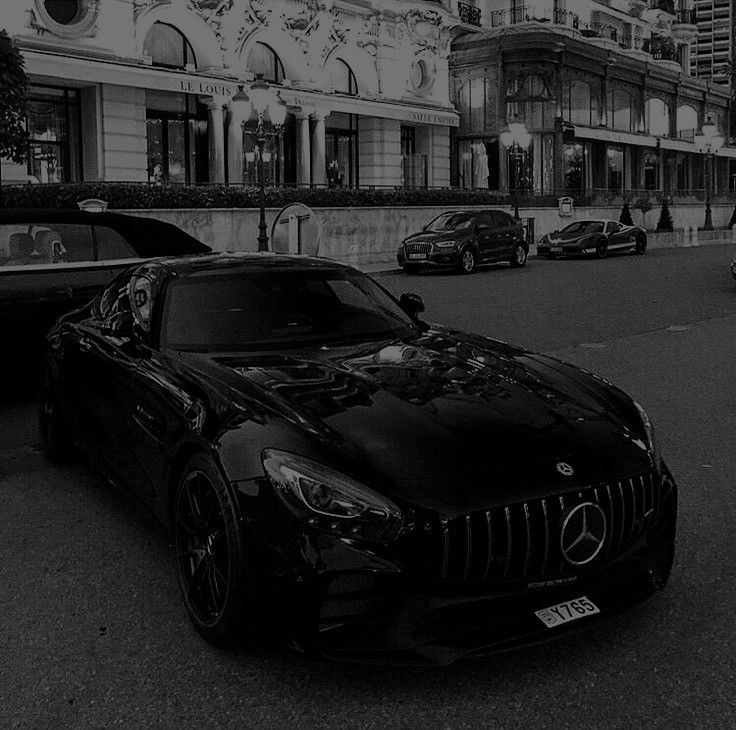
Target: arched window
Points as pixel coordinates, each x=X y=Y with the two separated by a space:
x=342 y=78
x=658 y=117
x=263 y=60
x=168 y=47
x=621 y=110
x=687 y=122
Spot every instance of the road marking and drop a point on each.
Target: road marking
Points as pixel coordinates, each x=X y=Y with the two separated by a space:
x=678 y=328
x=593 y=345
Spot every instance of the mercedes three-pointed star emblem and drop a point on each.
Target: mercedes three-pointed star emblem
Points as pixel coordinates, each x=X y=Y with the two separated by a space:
x=583 y=533
x=565 y=469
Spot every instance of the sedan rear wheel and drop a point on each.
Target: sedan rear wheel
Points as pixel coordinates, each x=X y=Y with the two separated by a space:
x=467 y=261
x=601 y=248
x=641 y=243
x=519 y=256
x=210 y=554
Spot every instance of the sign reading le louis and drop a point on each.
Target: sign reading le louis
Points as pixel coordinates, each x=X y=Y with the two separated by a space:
x=206 y=88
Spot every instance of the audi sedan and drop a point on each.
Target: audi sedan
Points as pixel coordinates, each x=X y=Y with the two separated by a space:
x=374 y=487
x=465 y=239
x=595 y=237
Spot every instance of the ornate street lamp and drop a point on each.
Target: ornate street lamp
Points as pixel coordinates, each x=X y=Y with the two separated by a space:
x=516 y=139
x=263 y=106
x=708 y=142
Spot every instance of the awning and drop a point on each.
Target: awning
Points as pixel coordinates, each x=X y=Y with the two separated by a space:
x=610 y=135
x=82 y=71
x=681 y=145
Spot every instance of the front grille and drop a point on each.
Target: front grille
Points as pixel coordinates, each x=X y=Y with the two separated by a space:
x=418 y=247
x=522 y=540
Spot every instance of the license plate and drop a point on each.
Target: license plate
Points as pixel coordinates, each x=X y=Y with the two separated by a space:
x=417 y=255
x=565 y=612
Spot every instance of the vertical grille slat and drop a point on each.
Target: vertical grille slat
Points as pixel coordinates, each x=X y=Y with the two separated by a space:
x=522 y=540
x=469 y=546
x=509 y=543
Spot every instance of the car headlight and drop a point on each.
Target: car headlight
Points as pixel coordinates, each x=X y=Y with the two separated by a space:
x=331 y=501
x=648 y=431
x=445 y=244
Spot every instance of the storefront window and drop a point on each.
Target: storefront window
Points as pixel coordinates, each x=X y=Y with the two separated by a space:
x=687 y=122
x=621 y=110
x=615 y=157
x=168 y=47
x=683 y=172
x=263 y=60
x=574 y=170
x=341 y=136
x=580 y=105
x=176 y=137
x=651 y=171
x=54 y=134
x=658 y=116
x=413 y=164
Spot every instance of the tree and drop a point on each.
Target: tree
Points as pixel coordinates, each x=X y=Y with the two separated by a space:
x=13 y=85
x=665 y=217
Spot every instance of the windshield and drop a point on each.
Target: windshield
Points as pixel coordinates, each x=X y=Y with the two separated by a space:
x=451 y=222
x=582 y=227
x=237 y=311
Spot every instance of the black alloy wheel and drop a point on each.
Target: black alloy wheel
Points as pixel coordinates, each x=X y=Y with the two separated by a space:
x=641 y=244
x=54 y=436
x=518 y=258
x=210 y=554
x=467 y=261
x=601 y=248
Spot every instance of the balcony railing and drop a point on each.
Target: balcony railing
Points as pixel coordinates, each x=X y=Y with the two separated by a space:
x=660 y=50
x=468 y=13
x=527 y=14
x=687 y=17
x=604 y=30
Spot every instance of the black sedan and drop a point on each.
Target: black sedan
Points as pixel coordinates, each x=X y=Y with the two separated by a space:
x=376 y=487
x=53 y=261
x=598 y=237
x=464 y=239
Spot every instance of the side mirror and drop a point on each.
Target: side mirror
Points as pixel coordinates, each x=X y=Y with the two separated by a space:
x=120 y=325
x=412 y=304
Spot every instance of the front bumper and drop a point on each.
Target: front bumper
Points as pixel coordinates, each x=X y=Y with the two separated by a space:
x=354 y=604
x=557 y=248
x=435 y=257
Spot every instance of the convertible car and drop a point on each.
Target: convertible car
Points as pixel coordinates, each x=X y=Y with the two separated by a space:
x=598 y=237
x=374 y=487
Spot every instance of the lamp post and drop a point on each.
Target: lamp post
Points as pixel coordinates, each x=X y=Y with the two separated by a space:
x=708 y=142
x=268 y=111
x=516 y=138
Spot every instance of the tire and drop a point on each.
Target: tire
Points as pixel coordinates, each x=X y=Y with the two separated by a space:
x=601 y=248
x=519 y=257
x=55 y=440
x=641 y=244
x=467 y=261
x=211 y=559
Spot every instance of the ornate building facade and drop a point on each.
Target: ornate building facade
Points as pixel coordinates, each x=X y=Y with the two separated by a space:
x=142 y=90
x=603 y=88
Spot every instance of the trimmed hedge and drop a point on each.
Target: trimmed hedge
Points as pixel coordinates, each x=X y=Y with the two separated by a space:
x=146 y=196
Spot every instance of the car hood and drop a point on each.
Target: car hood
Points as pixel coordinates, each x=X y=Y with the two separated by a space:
x=560 y=236
x=447 y=421
x=431 y=237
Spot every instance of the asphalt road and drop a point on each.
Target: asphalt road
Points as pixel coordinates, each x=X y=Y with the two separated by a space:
x=93 y=633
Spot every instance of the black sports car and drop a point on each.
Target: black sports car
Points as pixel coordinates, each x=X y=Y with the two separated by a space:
x=598 y=237
x=384 y=488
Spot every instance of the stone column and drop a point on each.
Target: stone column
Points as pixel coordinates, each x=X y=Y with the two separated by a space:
x=216 y=138
x=234 y=148
x=319 y=170
x=304 y=147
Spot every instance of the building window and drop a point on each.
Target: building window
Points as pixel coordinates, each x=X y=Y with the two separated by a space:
x=341 y=137
x=176 y=136
x=65 y=12
x=651 y=171
x=621 y=110
x=54 y=135
x=658 y=118
x=413 y=165
x=574 y=170
x=168 y=47
x=615 y=158
x=342 y=78
x=687 y=122
x=263 y=60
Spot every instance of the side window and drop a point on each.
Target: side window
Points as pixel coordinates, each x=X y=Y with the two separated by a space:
x=612 y=227
x=111 y=245
x=504 y=220
x=31 y=244
x=486 y=219
x=16 y=244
